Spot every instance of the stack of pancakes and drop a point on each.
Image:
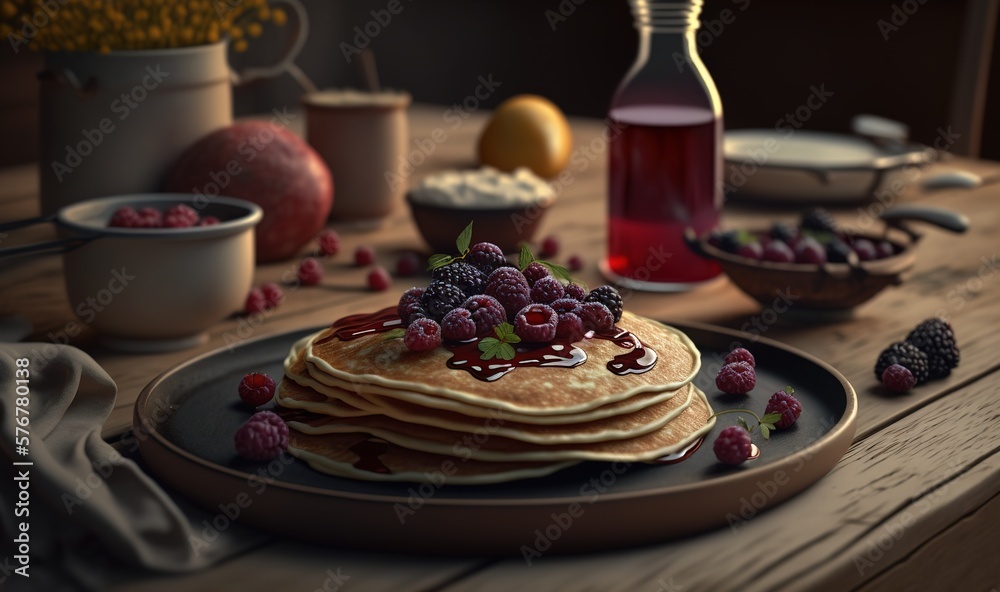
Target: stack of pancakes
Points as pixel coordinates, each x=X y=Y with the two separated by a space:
x=368 y=408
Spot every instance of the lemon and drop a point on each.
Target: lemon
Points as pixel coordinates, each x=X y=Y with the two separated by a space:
x=527 y=131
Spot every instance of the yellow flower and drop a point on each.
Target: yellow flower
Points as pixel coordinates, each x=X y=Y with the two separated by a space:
x=236 y=33
x=7 y=9
x=279 y=17
x=240 y=46
x=254 y=29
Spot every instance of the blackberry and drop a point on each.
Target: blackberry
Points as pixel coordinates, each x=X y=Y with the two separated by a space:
x=819 y=219
x=838 y=252
x=439 y=298
x=729 y=241
x=906 y=355
x=609 y=297
x=784 y=232
x=468 y=279
x=935 y=338
x=486 y=257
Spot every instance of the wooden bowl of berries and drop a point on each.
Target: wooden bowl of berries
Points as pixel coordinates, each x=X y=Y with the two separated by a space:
x=152 y=272
x=818 y=265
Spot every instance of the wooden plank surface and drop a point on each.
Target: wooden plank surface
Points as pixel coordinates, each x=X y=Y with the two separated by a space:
x=931 y=449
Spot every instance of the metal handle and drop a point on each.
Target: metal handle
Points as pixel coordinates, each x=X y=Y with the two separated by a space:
x=14 y=224
x=942 y=218
x=50 y=247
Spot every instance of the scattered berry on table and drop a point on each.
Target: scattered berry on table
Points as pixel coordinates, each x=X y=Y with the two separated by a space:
x=732 y=446
x=808 y=250
x=865 y=249
x=575 y=263
x=740 y=355
x=328 y=242
x=257 y=389
x=408 y=264
x=263 y=437
x=378 y=279
x=819 y=219
x=468 y=279
x=534 y=272
x=180 y=216
x=440 y=297
x=575 y=291
x=570 y=327
x=751 y=250
x=737 y=378
x=935 y=338
x=906 y=355
x=486 y=257
x=208 y=221
x=596 y=317
x=310 y=271
x=609 y=297
x=787 y=405
x=898 y=379
x=550 y=247
x=364 y=255
x=422 y=335
x=546 y=290
x=255 y=302
x=510 y=288
x=779 y=252
x=273 y=294
x=487 y=312
x=536 y=323
x=124 y=217
x=458 y=325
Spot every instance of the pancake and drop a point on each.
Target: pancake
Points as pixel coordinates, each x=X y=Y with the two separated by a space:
x=692 y=423
x=376 y=361
x=337 y=455
x=301 y=393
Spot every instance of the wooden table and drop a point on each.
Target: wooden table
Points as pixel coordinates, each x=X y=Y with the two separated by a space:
x=913 y=504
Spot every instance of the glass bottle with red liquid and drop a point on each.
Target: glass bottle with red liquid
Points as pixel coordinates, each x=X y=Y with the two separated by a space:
x=665 y=156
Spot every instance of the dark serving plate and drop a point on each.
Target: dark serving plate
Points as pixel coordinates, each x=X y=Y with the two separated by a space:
x=191 y=412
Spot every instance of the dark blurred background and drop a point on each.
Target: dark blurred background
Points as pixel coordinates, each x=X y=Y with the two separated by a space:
x=764 y=60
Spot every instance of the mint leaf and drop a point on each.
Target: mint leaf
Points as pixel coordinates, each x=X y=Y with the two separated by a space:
x=771 y=418
x=526 y=257
x=743 y=422
x=503 y=330
x=397 y=333
x=764 y=431
x=558 y=271
x=789 y=390
x=512 y=338
x=464 y=240
x=506 y=351
x=438 y=260
x=488 y=343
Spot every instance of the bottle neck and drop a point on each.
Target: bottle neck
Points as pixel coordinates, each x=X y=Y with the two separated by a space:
x=667 y=28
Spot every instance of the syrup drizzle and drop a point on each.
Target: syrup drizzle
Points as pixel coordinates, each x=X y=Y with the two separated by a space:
x=359 y=325
x=637 y=360
x=677 y=457
x=468 y=357
x=368 y=452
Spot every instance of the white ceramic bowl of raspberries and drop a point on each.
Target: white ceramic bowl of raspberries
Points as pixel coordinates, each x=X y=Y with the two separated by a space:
x=154 y=271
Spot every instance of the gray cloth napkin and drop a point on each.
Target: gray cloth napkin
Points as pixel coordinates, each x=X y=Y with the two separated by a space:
x=93 y=516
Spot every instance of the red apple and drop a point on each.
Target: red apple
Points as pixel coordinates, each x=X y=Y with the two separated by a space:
x=262 y=162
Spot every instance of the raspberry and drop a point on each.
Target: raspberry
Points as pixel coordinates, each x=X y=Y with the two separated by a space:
x=208 y=221
x=596 y=317
x=550 y=247
x=256 y=389
x=740 y=355
x=422 y=335
x=180 y=216
x=486 y=257
x=328 y=242
x=458 y=325
x=575 y=263
x=884 y=249
x=439 y=298
x=819 y=219
x=272 y=294
x=906 y=355
x=487 y=313
x=751 y=251
x=779 y=252
x=536 y=323
x=149 y=218
x=310 y=271
x=897 y=378
x=255 y=302
x=785 y=404
x=546 y=290
x=610 y=298
x=737 y=378
x=378 y=279
x=534 y=272
x=935 y=338
x=468 y=279
x=124 y=217
x=565 y=305
x=364 y=256
x=409 y=308
x=408 y=264
x=263 y=437
x=732 y=446
x=784 y=232
x=510 y=288
x=865 y=249
x=410 y=296
x=570 y=327
x=810 y=251
x=575 y=291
